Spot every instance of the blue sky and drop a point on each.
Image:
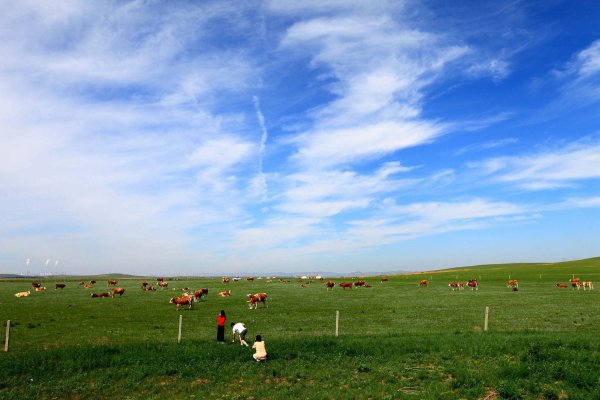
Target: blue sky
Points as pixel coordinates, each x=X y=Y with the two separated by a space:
x=162 y=137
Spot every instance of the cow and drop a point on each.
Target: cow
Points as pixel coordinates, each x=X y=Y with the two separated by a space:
x=36 y=284
x=163 y=284
x=512 y=283
x=81 y=283
x=92 y=282
x=88 y=286
x=360 y=283
x=59 y=286
x=330 y=285
x=112 y=282
x=237 y=279
x=224 y=294
x=104 y=294
x=40 y=288
x=575 y=283
x=588 y=285
x=250 y=278
x=562 y=285
x=144 y=285
x=254 y=299
x=346 y=285
x=118 y=290
x=226 y=280
x=423 y=283
x=473 y=284
x=200 y=293
x=150 y=288
x=455 y=286
x=182 y=301
x=384 y=280
x=23 y=294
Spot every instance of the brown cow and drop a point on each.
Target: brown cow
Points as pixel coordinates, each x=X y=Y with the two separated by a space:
x=360 y=283
x=456 y=285
x=40 y=288
x=423 y=283
x=512 y=283
x=384 y=280
x=588 y=285
x=112 y=282
x=150 y=288
x=575 y=283
x=226 y=280
x=562 y=285
x=200 y=293
x=163 y=284
x=118 y=290
x=36 y=284
x=92 y=282
x=88 y=286
x=473 y=284
x=345 y=285
x=183 y=301
x=250 y=278
x=225 y=293
x=59 y=286
x=254 y=299
x=330 y=285
x=104 y=294
x=144 y=285
x=160 y=279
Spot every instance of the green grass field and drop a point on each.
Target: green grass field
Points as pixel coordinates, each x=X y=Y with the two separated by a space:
x=396 y=340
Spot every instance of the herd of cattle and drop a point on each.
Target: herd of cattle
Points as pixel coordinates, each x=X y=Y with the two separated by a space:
x=189 y=297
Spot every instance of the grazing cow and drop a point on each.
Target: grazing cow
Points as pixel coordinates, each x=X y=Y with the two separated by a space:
x=330 y=285
x=225 y=293
x=23 y=294
x=183 y=301
x=250 y=278
x=88 y=286
x=588 y=285
x=423 y=283
x=200 y=293
x=473 y=284
x=512 y=283
x=144 y=285
x=254 y=299
x=59 y=286
x=36 y=284
x=360 y=283
x=40 y=288
x=118 y=290
x=575 y=283
x=104 y=294
x=226 y=280
x=562 y=285
x=163 y=284
x=384 y=280
x=112 y=282
x=454 y=286
x=346 y=285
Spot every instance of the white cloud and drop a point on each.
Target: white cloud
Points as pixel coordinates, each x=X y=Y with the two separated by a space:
x=546 y=170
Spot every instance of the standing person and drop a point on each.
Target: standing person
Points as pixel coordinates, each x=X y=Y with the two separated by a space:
x=241 y=330
x=221 y=318
x=261 y=351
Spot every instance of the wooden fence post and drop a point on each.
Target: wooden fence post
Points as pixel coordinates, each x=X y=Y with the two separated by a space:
x=7 y=336
x=337 y=322
x=179 y=335
x=485 y=323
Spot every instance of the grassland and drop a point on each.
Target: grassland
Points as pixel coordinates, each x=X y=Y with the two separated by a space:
x=397 y=341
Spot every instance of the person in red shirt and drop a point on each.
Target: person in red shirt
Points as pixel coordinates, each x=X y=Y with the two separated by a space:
x=221 y=318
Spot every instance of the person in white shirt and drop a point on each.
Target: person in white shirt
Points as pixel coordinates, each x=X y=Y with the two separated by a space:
x=241 y=330
x=261 y=351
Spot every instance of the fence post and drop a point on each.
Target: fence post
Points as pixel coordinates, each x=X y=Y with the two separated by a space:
x=485 y=323
x=7 y=336
x=179 y=335
x=337 y=322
